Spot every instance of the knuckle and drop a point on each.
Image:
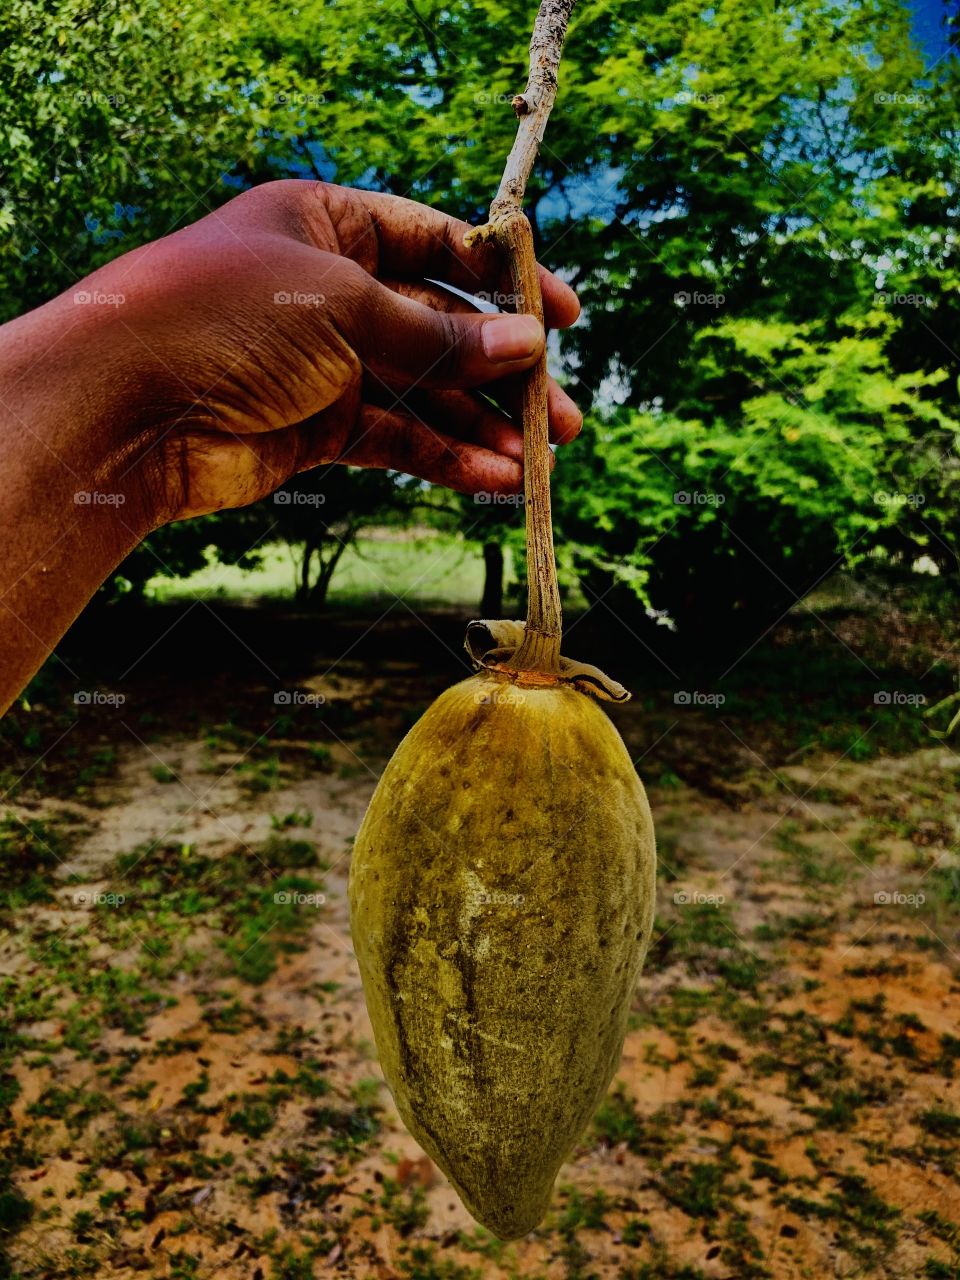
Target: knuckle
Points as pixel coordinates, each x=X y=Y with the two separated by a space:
x=452 y=348
x=407 y=445
x=352 y=299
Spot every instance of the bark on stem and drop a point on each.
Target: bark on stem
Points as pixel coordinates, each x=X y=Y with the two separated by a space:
x=510 y=228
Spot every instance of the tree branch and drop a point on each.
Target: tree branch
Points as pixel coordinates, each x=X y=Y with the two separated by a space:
x=430 y=36
x=509 y=227
x=533 y=106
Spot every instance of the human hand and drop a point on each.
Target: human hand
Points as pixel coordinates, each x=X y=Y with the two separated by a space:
x=295 y=327
x=292 y=328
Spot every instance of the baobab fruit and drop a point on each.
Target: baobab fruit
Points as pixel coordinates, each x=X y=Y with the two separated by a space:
x=502 y=895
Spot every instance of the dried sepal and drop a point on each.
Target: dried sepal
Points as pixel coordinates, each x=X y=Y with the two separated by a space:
x=492 y=644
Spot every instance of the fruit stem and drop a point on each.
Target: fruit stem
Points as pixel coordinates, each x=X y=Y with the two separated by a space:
x=540 y=648
x=509 y=227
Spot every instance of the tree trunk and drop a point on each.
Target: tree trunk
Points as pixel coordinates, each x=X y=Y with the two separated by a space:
x=491 y=606
x=318 y=593
x=302 y=592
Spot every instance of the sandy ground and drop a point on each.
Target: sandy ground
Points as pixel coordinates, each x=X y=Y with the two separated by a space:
x=787 y=1103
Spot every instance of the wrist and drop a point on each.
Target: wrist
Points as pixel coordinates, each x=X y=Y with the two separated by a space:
x=73 y=398
x=73 y=503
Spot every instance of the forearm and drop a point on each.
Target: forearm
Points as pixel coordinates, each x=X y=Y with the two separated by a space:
x=69 y=499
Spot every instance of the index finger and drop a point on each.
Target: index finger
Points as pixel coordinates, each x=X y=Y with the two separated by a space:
x=413 y=241
x=416 y=240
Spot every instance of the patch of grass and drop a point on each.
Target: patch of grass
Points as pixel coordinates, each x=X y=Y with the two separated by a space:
x=254 y=1116
x=75 y=1106
x=704 y=938
x=346 y=1129
x=934 y=1269
x=813 y=865
x=310 y=1080
x=583 y=1213
x=700 y=1188
x=940 y=1123
x=230 y=1016
x=883 y=968
x=798 y=1045
x=100 y=764
x=281 y=853
x=942 y=887
x=841 y=1109
x=30 y=852
x=422 y=1263
x=300 y=817
x=763 y=1169
x=861 y=1206
x=808 y=926
x=855 y=1206
x=949 y=1055
x=271 y=926
x=377 y=565
x=635 y=1232
x=617 y=1121
x=257 y=776
x=288 y=1264
x=15 y=1209
x=943 y=1228
x=404 y=1207
x=252 y=898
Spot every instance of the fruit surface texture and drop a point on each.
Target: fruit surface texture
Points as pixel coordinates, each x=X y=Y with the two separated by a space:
x=502 y=897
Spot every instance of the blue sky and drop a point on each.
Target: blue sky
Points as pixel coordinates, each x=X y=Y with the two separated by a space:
x=928 y=25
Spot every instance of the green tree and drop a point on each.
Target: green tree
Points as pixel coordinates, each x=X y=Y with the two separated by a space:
x=833 y=461
x=318 y=515
x=120 y=121
x=756 y=204
x=321 y=514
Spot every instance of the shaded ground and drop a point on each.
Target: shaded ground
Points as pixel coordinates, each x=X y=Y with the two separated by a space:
x=192 y=1083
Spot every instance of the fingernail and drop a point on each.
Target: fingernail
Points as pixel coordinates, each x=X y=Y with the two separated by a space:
x=511 y=337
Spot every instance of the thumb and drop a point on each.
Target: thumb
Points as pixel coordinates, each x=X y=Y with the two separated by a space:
x=410 y=344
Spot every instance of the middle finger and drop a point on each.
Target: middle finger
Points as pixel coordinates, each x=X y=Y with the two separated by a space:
x=564 y=417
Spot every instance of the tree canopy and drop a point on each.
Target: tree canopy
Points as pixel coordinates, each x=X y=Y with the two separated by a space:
x=757 y=205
